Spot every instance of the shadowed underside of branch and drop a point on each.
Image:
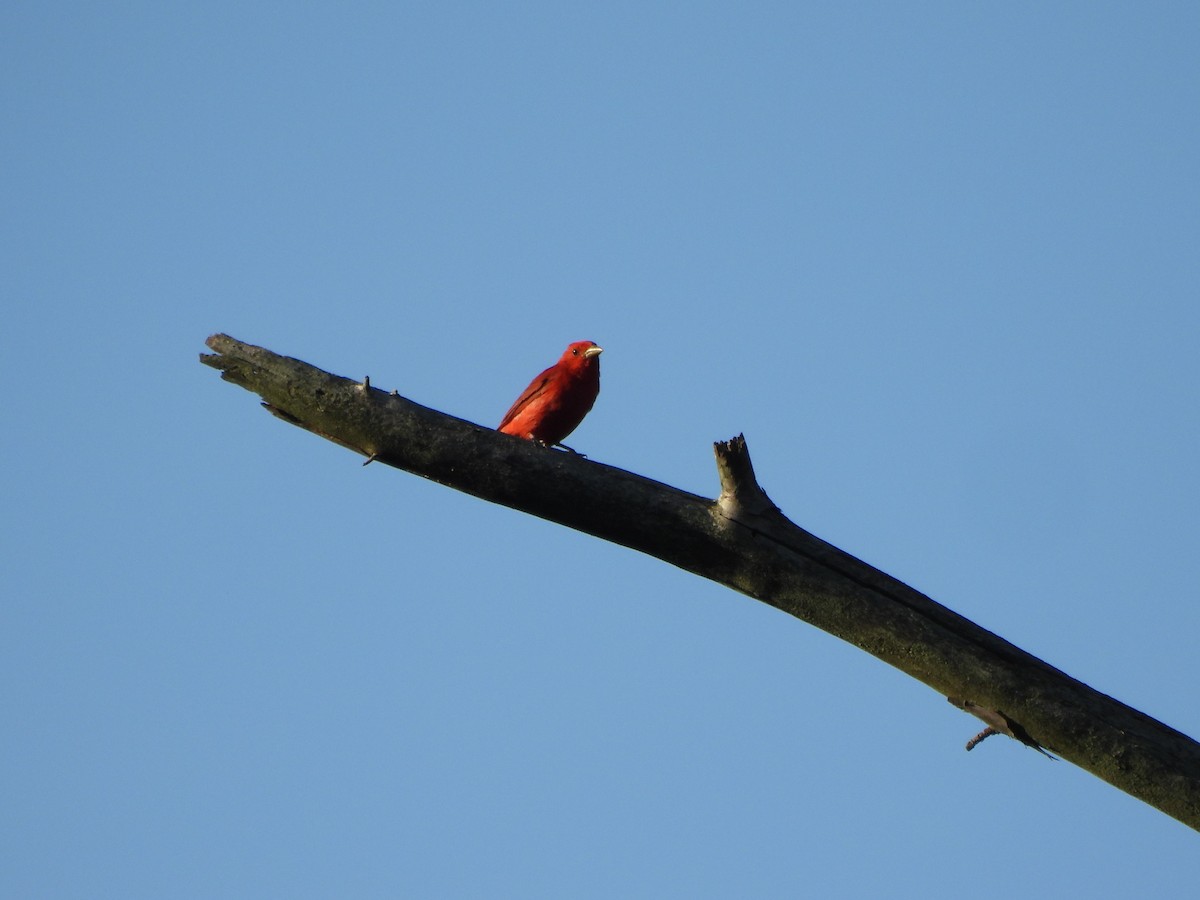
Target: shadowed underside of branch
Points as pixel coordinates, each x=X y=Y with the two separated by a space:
x=743 y=541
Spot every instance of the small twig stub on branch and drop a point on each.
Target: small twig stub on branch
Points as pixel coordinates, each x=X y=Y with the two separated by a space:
x=998 y=723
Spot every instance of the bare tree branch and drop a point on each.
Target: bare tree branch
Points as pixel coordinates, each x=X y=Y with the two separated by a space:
x=743 y=541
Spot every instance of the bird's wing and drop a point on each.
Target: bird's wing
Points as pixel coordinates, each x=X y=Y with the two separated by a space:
x=536 y=388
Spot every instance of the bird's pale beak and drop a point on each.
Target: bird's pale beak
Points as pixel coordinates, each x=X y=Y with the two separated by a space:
x=592 y=351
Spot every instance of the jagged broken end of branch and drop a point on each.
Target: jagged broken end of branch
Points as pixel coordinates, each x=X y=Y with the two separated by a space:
x=232 y=358
x=741 y=496
x=246 y=365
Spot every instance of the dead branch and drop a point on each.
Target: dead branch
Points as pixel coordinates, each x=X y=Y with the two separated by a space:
x=743 y=541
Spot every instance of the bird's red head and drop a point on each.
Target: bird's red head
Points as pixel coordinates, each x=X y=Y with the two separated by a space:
x=581 y=354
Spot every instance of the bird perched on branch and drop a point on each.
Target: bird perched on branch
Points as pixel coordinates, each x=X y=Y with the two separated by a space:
x=557 y=400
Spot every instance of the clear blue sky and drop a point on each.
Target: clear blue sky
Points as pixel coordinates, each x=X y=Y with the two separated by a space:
x=939 y=261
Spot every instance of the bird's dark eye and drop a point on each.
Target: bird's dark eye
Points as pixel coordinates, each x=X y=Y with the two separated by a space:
x=574 y=352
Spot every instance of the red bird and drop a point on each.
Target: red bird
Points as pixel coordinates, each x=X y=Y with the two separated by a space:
x=557 y=400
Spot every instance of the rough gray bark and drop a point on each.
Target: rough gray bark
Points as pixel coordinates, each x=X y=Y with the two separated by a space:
x=743 y=541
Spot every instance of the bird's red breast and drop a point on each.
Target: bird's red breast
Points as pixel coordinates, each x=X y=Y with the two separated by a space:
x=557 y=400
